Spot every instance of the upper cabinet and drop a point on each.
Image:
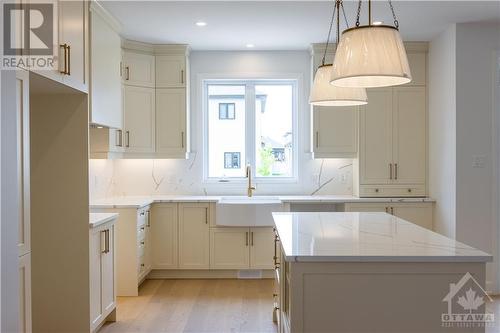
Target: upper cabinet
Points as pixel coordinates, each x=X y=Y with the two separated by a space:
x=105 y=69
x=334 y=133
x=170 y=71
x=392 y=157
x=138 y=69
x=71 y=45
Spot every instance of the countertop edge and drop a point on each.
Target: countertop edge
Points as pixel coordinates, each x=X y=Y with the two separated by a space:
x=106 y=218
x=395 y=259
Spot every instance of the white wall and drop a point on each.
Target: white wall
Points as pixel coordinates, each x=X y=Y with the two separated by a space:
x=461 y=130
x=156 y=177
x=442 y=134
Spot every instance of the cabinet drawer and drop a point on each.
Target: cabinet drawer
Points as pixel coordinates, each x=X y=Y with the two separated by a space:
x=141 y=218
x=141 y=248
x=141 y=233
x=140 y=265
x=392 y=191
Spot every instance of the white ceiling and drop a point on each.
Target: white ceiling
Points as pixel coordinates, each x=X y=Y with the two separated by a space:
x=280 y=25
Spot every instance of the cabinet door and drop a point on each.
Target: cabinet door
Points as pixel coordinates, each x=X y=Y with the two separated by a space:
x=410 y=135
x=108 y=295
x=375 y=146
x=368 y=207
x=418 y=68
x=73 y=23
x=105 y=87
x=335 y=132
x=170 y=71
x=139 y=108
x=194 y=236
x=229 y=248
x=171 y=138
x=23 y=162
x=418 y=213
x=139 y=69
x=96 y=248
x=25 y=293
x=261 y=248
x=164 y=236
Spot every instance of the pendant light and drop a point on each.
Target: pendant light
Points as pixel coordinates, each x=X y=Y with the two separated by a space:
x=371 y=55
x=322 y=92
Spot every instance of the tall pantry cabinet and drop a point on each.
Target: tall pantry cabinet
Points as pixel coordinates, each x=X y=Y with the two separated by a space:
x=392 y=156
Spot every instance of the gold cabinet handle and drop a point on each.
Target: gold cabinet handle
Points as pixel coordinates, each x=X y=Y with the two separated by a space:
x=396 y=171
x=246 y=238
x=206 y=215
x=103 y=233
x=148 y=223
x=64 y=47
x=106 y=241
x=182 y=76
x=69 y=59
x=392 y=210
x=390 y=170
x=127 y=133
x=251 y=238
x=317 y=139
x=182 y=139
x=127 y=77
x=119 y=138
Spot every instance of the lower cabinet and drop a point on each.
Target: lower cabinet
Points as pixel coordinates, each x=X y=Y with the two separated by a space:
x=241 y=248
x=164 y=229
x=102 y=274
x=25 y=293
x=420 y=213
x=194 y=235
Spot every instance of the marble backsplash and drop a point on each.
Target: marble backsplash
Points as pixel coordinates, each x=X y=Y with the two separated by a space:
x=139 y=177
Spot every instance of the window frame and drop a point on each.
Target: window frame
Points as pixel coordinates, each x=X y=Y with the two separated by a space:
x=250 y=109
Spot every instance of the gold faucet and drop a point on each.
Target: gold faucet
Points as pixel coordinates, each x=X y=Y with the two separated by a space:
x=250 y=188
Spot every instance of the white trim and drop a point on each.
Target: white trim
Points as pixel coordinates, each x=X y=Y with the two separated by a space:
x=495 y=284
x=254 y=78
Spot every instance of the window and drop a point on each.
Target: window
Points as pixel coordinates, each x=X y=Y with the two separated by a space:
x=232 y=160
x=227 y=111
x=262 y=135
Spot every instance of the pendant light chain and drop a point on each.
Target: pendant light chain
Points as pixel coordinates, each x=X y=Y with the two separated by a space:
x=358 y=14
x=396 y=22
x=329 y=34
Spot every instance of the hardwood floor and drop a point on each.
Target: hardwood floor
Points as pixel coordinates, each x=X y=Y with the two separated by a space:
x=197 y=306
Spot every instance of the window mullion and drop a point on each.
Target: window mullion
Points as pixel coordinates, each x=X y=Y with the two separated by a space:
x=250 y=125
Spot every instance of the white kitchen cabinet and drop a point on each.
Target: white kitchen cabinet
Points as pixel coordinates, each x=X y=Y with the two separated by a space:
x=229 y=248
x=261 y=248
x=410 y=135
x=335 y=131
x=375 y=153
x=102 y=274
x=105 y=69
x=393 y=143
x=171 y=71
x=25 y=293
x=241 y=248
x=23 y=162
x=418 y=67
x=139 y=119
x=171 y=123
x=132 y=248
x=138 y=69
x=194 y=249
x=164 y=232
x=70 y=45
x=420 y=213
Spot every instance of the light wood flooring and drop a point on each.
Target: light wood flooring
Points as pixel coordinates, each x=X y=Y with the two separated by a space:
x=197 y=306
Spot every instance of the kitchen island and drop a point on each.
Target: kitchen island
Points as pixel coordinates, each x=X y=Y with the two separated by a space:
x=374 y=272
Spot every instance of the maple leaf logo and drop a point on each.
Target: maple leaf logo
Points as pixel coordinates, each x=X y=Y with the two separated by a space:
x=470 y=301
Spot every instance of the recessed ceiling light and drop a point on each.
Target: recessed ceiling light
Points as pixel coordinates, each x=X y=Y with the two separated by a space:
x=201 y=23
x=250 y=46
x=377 y=23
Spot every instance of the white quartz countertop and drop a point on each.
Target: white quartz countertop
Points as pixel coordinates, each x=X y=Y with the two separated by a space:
x=96 y=219
x=142 y=201
x=370 y=237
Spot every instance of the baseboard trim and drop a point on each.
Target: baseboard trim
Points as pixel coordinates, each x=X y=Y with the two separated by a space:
x=201 y=274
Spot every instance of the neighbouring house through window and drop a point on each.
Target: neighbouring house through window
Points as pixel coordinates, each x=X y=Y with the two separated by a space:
x=262 y=134
x=227 y=111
